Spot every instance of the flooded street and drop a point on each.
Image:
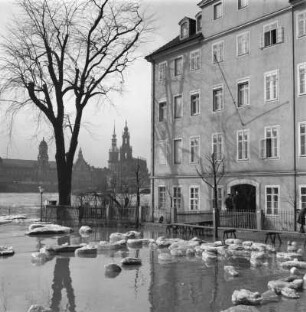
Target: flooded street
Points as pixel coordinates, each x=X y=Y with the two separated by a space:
x=73 y=283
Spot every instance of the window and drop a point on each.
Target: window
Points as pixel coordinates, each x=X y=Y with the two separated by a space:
x=184 y=30
x=178 y=107
x=194 y=104
x=271 y=86
x=219 y=197
x=194 y=149
x=217 y=52
x=302 y=141
x=302 y=196
x=217 y=145
x=218 y=99
x=195 y=60
x=162 y=111
x=243 y=144
x=270 y=144
x=199 y=22
x=272 y=34
x=243 y=44
x=161 y=197
x=218 y=10
x=177 y=197
x=242 y=4
x=162 y=153
x=272 y=199
x=178 y=151
x=302 y=78
x=194 y=198
x=243 y=94
x=162 y=71
x=178 y=66
x=301 y=24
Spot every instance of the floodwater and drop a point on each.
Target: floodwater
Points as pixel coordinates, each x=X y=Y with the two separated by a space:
x=71 y=283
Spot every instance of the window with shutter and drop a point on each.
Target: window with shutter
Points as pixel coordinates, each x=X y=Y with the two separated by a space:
x=269 y=146
x=272 y=34
x=301 y=24
x=301 y=78
x=272 y=199
x=243 y=44
x=302 y=196
x=217 y=99
x=194 y=104
x=302 y=139
x=178 y=106
x=271 y=85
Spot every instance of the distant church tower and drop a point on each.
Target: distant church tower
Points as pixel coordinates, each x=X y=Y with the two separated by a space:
x=126 y=149
x=43 y=160
x=113 y=158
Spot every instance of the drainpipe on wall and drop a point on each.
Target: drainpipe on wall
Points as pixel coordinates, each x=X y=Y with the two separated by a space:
x=152 y=139
x=294 y=116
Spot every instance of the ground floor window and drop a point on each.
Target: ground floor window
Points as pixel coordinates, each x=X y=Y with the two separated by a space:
x=303 y=196
x=272 y=199
x=177 y=197
x=194 y=198
x=161 y=197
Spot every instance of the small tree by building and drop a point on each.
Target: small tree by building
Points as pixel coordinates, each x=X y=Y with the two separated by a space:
x=211 y=170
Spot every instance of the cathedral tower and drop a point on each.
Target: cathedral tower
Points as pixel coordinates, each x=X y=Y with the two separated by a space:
x=113 y=158
x=43 y=160
x=126 y=149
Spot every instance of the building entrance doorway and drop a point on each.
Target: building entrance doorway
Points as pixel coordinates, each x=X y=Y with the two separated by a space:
x=244 y=197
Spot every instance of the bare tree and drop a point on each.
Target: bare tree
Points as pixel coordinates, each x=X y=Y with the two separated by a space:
x=211 y=172
x=59 y=56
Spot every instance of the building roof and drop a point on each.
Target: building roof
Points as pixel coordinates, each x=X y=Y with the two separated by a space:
x=174 y=43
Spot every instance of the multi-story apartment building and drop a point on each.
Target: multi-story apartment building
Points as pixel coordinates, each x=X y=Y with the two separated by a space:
x=232 y=82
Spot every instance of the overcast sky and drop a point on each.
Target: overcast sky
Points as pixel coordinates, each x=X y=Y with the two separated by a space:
x=133 y=105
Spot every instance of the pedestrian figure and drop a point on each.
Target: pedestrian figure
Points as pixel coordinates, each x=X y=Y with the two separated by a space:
x=235 y=201
x=229 y=202
x=301 y=219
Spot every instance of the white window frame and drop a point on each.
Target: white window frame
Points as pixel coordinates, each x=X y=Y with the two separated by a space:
x=263 y=144
x=220 y=196
x=194 y=201
x=301 y=202
x=279 y=34
x=267 y=75
x=177 y=200
x=162 y=150
x=245 y=145
x=217 y=143
x=177 y=160
x=221 y=107
x=197 y=103
x=164 y=110
x=174 y=106
x=302 y=137
x=303 y=33
x=219 y=51
x=272 y=200
x=194 y=150
x=175 y=74
x=239 y=83
x=162 y=68
x=242 y=4
x=242 y=35
x=303 y=66
x=220 y=3
x=182 y=35
x=164 y=201
x=195 y=60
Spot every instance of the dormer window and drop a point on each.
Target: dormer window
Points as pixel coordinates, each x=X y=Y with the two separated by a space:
x=218 y=10
x=199 y=22
x=184 y=30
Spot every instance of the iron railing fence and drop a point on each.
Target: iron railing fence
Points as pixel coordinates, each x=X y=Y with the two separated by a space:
x=238 y=219
x=282 y=221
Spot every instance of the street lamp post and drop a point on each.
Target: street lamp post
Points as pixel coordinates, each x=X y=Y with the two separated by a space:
x=41 y=191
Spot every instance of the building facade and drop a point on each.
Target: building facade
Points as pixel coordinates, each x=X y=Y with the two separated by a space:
x=126 y=172
x=19 y=175
x=232 y=83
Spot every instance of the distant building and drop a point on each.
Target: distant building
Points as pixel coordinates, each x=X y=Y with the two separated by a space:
x=18 y=175
x=124 y=167
x=233 y=83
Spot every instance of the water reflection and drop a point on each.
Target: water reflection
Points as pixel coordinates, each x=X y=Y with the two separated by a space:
x=62 y=280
